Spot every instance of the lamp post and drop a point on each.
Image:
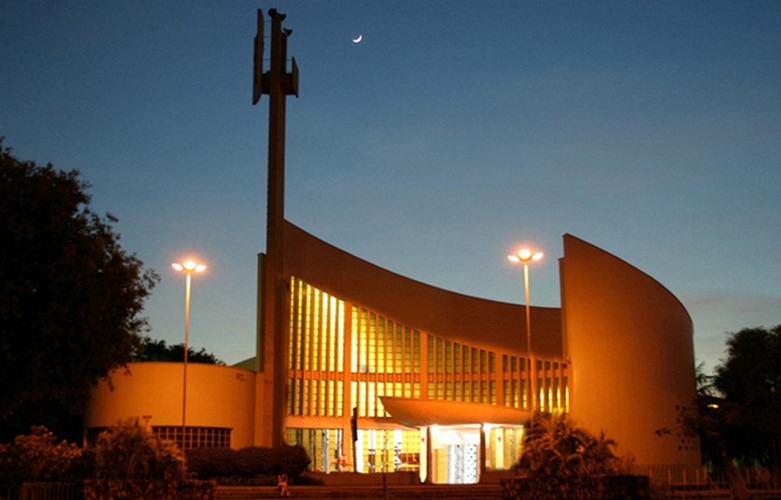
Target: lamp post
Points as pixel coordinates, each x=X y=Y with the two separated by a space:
x=188 y=267
x=525 y=256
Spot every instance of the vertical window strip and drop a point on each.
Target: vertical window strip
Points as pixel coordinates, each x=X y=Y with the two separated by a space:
x=305 y=317
x=416 y=352
x=400 y=365
x=339 y=346
x=293 y=329
x=431 y=355
x=326 y=356
x=354 y=396
x=339 y=399
x=290 y=403
x=354 y=347
x=390 y=348
x=381 y=343
x=362 y=345
x=315 y=386
x=312 y=330
x=409 y=362
x=319 y=330
x=329 y=355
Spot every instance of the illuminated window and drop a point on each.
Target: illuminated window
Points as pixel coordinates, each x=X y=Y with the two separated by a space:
x=325 y=447
x=416 y=351
x=317 y=333
x=431 y=354
x=382 y=342
x=195 y=437
x=385 y=360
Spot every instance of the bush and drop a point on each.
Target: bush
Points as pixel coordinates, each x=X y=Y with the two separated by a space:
x=38 y=457
x=608 y=487
x=248 y=463
x=255 y=461
x=212 y=462
x=555 y=447
x=130 y=451
x=291 y=460
x=160 y=490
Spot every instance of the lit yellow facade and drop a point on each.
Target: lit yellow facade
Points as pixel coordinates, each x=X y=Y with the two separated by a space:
x=435 y=378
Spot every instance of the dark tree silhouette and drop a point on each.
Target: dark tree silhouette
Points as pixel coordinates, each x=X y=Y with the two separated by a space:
x=750 y=382
x=157 y=350
x=70 y=297
x=737 y=412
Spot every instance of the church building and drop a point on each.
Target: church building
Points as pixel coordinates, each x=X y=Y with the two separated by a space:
x=372 y=371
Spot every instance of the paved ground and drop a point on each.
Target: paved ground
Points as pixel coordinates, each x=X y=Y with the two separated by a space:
x=453 y=492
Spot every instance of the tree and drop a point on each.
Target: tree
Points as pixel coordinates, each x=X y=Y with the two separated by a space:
x=716 y=423
x=738 y=410
x=750 y=382
x=70 y=297
x=157 y=350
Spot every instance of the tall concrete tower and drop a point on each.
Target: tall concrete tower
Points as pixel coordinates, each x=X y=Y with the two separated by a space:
x=273 y=342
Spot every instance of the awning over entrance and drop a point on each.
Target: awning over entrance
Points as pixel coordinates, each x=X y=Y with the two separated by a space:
x=427 y=412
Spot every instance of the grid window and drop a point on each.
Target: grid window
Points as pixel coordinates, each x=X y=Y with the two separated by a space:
x=195 y=437
x=386 y=360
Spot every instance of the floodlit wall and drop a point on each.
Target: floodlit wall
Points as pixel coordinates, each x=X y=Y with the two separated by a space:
x=217 y=396
x=632 y=357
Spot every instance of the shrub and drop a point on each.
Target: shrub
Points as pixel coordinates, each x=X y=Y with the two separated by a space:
x=248 y=463
x=38 y=457
x=255 y=461
x=212 y=462
x=555 y=447
x=291 y=460
x=609 y=487
x=101 y=489
x=130 y=451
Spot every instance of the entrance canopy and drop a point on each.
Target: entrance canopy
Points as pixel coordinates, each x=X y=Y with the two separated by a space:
x=427 y=412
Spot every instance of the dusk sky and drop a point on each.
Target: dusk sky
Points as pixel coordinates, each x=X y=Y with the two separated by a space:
x=452 y=133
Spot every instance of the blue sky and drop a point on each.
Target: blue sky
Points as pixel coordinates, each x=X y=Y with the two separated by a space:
x=451 y=134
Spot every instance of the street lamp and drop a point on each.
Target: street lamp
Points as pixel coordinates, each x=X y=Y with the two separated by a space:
x=188 y=267
x=525 y=256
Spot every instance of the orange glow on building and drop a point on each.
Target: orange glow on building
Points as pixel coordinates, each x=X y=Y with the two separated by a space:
x=442 y=383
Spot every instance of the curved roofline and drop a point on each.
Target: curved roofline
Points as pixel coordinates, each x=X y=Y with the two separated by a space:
x=581 y=240
x=412 y=280
x=435 y=310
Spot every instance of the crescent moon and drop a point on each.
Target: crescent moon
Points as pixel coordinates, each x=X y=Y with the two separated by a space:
x=358 y=40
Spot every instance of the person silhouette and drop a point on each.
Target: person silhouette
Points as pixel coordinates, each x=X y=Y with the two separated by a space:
x=282 y=485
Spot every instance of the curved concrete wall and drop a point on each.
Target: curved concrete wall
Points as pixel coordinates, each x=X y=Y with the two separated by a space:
x=436 y=311
x=630 y=344
x=217 y=396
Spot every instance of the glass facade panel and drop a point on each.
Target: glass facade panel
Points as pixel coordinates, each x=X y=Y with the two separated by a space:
x=388 y=358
